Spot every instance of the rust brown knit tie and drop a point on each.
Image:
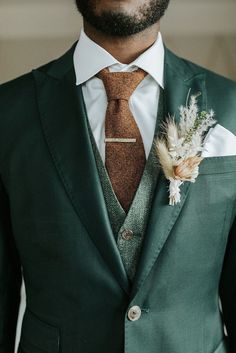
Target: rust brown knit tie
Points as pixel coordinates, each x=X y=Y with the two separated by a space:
x=124 y=152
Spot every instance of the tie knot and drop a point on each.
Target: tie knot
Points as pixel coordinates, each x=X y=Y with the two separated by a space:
x=120 y=85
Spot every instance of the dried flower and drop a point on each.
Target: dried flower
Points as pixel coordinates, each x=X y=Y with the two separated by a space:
x=187 y=170
x=179 y=149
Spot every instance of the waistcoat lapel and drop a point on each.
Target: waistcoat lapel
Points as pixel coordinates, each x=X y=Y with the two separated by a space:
x=62 y=113
x=137 y=216
x=179 y=80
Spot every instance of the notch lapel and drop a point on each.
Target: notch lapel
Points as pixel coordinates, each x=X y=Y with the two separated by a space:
x=178 y=82
x=62 y=113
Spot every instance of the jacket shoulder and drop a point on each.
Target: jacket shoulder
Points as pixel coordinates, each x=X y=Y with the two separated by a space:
x=221 y=96
x=195 y=69
x=18 y=86
x=18 y=109
x=220 y=91
x=212 y=77
x=19 y=92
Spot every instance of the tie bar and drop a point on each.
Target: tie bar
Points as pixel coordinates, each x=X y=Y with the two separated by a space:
x=117 y=139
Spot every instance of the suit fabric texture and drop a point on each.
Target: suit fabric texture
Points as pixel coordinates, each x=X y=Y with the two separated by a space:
x=55 y=229
x=137 y=217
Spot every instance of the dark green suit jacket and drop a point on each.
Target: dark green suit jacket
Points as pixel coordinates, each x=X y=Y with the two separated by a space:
x=54 y=224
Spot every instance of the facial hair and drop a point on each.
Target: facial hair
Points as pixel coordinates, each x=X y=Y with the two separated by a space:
x=121 y=24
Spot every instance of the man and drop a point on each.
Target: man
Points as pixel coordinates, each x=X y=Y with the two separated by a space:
x=108 y=264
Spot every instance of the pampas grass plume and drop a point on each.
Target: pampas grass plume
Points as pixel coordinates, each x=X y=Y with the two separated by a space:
x=164 y=158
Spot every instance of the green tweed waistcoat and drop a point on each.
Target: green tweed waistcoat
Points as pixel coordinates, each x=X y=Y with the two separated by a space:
x=135 y=220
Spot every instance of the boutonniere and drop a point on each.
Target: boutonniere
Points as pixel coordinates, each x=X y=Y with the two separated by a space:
x=180 y=145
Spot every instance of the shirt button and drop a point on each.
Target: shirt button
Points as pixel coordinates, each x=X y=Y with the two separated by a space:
x=127 y=234
x=134 y=313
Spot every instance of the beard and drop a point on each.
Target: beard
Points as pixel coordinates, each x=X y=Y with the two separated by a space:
x=120 y=23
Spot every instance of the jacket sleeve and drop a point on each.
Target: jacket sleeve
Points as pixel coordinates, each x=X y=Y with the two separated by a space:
x=228 y=288
x=10 y=278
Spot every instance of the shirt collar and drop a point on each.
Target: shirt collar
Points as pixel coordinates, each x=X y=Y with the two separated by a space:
x=151 y=61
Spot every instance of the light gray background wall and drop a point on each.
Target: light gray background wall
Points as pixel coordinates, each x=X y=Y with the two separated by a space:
x=33 y=32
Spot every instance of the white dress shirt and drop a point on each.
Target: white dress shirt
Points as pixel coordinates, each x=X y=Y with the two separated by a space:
x=90 y=58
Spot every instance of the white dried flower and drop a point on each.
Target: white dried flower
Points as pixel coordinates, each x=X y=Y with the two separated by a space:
x=174 y=191
x=179 y=150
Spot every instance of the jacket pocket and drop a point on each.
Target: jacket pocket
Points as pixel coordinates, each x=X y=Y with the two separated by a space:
x=218 y=165
x=222 y=347
x=38 y=336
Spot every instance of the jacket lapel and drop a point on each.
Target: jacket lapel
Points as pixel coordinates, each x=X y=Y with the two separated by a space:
x=179 y=80
x=62 y=113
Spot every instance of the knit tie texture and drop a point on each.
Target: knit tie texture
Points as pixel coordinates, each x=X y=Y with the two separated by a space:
x=124 y=150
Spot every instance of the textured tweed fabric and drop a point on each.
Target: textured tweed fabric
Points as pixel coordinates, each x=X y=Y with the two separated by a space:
x=138 y=214
x=124 y=161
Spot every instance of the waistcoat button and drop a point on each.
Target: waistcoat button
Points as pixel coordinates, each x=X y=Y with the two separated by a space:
x=134 y=313
x=127 y=234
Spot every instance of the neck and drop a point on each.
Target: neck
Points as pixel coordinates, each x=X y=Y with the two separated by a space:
x=127 y=49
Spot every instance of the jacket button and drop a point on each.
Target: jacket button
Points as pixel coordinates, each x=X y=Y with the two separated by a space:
x=127 y=234
x=134 y=313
